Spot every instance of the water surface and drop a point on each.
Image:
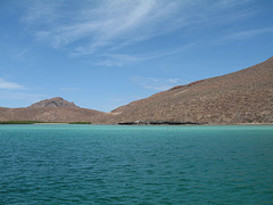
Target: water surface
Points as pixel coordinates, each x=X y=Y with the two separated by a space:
x=79 y=164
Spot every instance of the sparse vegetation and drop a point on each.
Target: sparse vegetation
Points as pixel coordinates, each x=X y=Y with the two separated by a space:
x=19 y=122
x=34 y=122
x=80 y=123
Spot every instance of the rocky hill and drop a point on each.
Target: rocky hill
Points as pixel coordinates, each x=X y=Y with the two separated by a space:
x=51 y=110
x=53 y=102
x=245 y=96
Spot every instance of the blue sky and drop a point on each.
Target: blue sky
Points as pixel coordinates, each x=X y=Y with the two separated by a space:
x=103 y=53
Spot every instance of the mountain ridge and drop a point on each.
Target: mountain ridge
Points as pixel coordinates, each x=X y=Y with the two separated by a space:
x=53 y=102
x=239 y=97
x=244 y=96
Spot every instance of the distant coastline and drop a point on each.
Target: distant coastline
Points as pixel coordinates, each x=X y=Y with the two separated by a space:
x=125 y=123
x=38 y=122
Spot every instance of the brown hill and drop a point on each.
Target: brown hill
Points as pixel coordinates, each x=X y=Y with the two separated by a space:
x=241 y=97
x=54 y=102
x=51 y=110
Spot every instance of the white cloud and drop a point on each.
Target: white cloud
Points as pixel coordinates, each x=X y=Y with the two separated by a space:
x=230 y=3
x=243 y=35
x=13 y=98
x=20 y=55
x=108 y=22
x=36 y=12
x=119 y=59
x=249 y=33
x=156 y=84
x=7 y=85
x=106 y=26
x=15 y=95
x=116 y=60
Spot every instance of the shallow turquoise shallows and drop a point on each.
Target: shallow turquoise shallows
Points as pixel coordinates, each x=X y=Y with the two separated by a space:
x=89 y=164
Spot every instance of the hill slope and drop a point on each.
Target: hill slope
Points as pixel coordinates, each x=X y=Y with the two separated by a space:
x=241 y=97
x=51 y=110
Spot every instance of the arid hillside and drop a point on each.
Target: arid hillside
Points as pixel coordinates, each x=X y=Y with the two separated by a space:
x=245 y=96
x=51 y=110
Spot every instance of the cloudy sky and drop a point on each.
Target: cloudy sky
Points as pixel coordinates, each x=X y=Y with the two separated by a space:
x=105 y=53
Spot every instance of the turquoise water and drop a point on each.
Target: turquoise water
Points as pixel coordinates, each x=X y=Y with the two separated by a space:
x=88 y=164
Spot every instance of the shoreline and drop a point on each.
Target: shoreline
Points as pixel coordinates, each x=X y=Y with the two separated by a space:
x=127 y=124
x=51 y=123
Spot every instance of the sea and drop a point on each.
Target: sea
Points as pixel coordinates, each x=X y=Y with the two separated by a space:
x=104 y=164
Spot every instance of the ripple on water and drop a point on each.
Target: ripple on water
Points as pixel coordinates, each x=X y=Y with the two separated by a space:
x=139 y=165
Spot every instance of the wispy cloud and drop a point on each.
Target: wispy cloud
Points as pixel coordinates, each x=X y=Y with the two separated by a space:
x=243 y=35
x=230 y=3
x=7 y=85
x=20 y=54
x=101 y=24
x=249 y=33
x=111 y=60
x=17 y=95
x=156 y=84
x=13 y=93
x=98 y=27
x=36 y=12
x=13 y=98
x=119 y=59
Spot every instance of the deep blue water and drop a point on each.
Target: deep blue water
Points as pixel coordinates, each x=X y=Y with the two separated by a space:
x=88 y=164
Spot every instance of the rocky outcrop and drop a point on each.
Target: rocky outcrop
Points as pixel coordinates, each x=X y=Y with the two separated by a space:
x=53 y=102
